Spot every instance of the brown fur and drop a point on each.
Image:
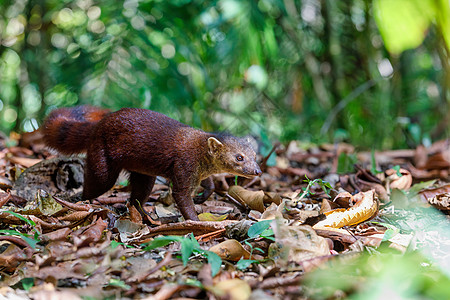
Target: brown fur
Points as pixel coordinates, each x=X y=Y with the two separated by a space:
x=147 y=144
x=68 y=129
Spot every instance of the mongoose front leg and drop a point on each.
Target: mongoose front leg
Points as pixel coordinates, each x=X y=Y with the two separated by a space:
x=141 y=187
x=208 y=185
x=182 y=195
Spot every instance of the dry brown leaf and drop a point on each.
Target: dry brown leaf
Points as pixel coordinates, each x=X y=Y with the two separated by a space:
x=430 y=193
x=75 y=216
x=129 y=231
x=440 y=160
x=325 y=207
x=66 y=295
x=254 y=200
x=12 y=257
x=4 y=198
x=211 y=217
x=440 y=201
x=271 y=197
x=91 y=235
x=272 y=212
x=233 y=289
x=365 y=208
x=296 y=244
x=230 y=250
x=24 y=161
x=399 y=182
x=166 y=198
x=344 y=199
x=57 y=235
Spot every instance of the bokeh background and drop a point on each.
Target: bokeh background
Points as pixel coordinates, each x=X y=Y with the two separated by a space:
x=372 y=73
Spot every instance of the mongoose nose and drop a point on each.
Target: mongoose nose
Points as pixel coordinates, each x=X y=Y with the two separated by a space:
x=258 y=171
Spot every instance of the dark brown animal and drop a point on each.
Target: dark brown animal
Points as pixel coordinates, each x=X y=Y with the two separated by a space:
x=147 y=144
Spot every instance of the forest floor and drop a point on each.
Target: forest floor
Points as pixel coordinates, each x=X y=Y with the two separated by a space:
x=322 y=222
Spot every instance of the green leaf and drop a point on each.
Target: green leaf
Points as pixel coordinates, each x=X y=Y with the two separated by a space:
x=306 y=179
x=403 y=23
x=28 y=221
x=244 y=263
x=161 y=242
x=188 y=245
x=27 y=283
x=258 y=228
x=388 y=234
x=194 y=282
x=258 y=249
x=373 y=162
x=268 y=233
x=324 y=185
x=30 y=241
x=419 y=186
x=397 y=169
x=399 y=199
x=119 y=283
x=115 y=244
x=215 y=261
x=345 y=163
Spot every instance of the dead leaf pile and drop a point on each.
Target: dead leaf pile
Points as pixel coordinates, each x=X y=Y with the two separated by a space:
x=255 y=240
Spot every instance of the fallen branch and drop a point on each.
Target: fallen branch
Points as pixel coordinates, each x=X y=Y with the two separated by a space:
x=182 y=228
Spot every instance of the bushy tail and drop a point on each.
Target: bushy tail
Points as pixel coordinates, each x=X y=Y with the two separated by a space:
x=68 y=129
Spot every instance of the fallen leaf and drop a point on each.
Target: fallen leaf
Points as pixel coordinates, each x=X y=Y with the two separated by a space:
x=344 y=199
x=254 y=200
x=230 y=250
x=4 y=198
x=57 y=235
x=440 y=201
x=402 y=182
x=130 y=231
x=273 y=211
x=296 y=244
x=425 y=194
x=90 y=235
x=233 y=289
x=211 y=217
x=42 y=204
x=271 y=197
x=24 y=161
x=365 y=208
x=12 y=257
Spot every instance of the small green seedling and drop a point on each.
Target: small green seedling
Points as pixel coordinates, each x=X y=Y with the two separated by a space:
x=325 y=186
x=189 y=246
x=260 y=229
x=31 y=240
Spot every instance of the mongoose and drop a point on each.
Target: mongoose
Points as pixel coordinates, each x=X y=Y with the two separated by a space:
x=147 y=144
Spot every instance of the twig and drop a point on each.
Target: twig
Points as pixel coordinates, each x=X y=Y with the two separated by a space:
x=236 y=202
x=212 y=235
x=78 y=207
x=182 y=228
x=264 y=162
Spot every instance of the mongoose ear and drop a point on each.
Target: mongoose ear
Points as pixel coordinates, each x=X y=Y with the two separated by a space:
x=214 y=145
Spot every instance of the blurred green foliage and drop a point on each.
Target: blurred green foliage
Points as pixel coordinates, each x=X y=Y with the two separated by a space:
x=379 y=276
x=316 y=70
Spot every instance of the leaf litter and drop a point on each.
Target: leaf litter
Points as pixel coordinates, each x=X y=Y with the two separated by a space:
x=321 y=222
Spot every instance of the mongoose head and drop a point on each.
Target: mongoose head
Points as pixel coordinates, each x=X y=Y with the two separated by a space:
x=234 y=155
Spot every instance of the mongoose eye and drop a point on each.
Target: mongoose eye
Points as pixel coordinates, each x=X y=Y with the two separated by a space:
x=239 y=157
